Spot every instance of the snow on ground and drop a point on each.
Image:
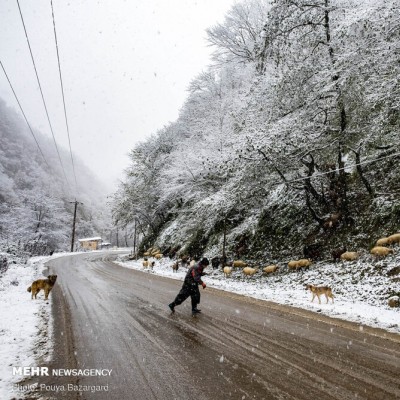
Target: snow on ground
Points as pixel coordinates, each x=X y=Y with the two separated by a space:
x=361 y=288
x=25 y=324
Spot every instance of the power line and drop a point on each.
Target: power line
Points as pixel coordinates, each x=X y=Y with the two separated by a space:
x=26 y=120
x=338 y=169
x=41 y=91
x=62 y=91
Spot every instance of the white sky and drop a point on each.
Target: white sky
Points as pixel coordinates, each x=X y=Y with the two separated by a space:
x=126 y=65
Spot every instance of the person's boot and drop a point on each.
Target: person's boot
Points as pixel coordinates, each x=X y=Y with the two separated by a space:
x=172 y=307
x=195 y=311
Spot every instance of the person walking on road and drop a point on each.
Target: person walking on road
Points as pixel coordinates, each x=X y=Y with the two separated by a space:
x=190 y=286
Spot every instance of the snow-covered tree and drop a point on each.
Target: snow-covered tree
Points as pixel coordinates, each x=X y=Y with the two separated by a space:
x=280 y=136
x=35 y=209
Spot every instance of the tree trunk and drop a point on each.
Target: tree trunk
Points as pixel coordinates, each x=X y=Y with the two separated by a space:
x=309 y=188
x=335 y=76
x=312 y=211
x=361 y=172
x=343 y=205
x=224 y=245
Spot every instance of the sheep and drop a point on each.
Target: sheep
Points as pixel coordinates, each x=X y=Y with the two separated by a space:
x=153 y=263
x=349 y=256
x=249 y=271
x=394 y=238
x=333 y=221
x=172 y=252
x=227 y=271
x=185 y=259
x=158 y=256
x=215 y=261
x=270 y=269
x=380 y=251
x=239 y=264
x=175 y=266
x=382 y=242
x=240 y=250
x=292 y=264
x=336 y=253
x=312 y=251
x=145 y=263
x=394 y=301
x=303 y=263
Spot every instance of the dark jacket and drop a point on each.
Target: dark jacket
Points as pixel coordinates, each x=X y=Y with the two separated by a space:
x=194 y=274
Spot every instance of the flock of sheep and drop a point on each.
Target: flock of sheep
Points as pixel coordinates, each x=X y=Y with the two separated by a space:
x=379 y=250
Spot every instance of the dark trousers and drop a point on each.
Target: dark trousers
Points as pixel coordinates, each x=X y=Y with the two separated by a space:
x=187 y=290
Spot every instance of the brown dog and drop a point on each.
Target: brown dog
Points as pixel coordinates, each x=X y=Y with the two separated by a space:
x=45 y=284
x=319 y=290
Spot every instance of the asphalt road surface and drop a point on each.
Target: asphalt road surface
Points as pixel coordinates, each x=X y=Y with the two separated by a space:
x=110 y=317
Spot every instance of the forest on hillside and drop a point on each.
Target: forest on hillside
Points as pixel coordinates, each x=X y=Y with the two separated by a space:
x=289 y=141
x=37 y=195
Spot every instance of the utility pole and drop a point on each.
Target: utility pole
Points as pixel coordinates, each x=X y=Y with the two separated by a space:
x=73 y=225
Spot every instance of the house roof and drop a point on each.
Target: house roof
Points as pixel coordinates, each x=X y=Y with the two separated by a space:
x=93 y=239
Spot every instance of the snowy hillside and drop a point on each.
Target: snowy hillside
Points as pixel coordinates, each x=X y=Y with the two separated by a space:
x=288 y=142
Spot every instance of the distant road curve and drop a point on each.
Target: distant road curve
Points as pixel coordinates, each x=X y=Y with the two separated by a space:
x=110 y=317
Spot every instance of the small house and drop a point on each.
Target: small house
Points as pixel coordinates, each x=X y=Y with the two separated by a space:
x=93 y=243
